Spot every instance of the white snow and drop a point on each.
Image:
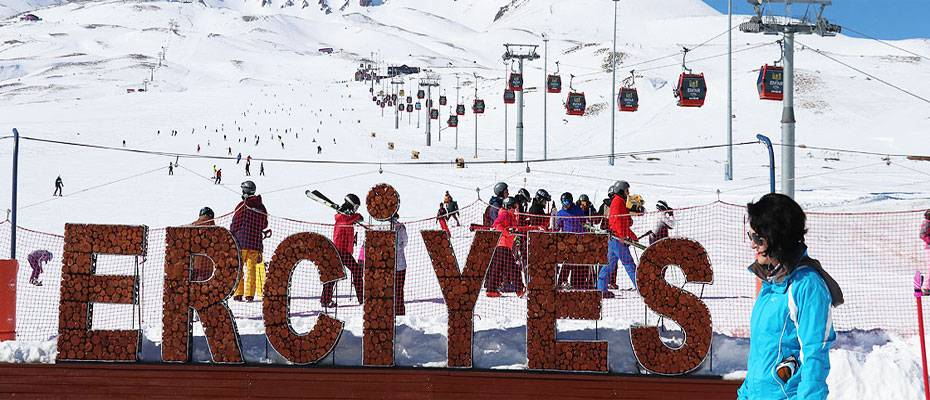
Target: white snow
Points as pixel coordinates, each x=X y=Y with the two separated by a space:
x=65 y=78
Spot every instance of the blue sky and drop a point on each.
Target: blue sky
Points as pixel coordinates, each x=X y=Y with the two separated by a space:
x=884 y=19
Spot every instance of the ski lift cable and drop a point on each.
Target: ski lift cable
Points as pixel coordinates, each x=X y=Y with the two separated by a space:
x=905 y=91
x=797 y=178
x=208 y=179
x=847 y=28
x=303 y=185
x=87 y=189
x=753 y=47
x=838 y=150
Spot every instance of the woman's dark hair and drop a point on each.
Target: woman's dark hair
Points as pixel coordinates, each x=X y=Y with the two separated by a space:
x=782 y=222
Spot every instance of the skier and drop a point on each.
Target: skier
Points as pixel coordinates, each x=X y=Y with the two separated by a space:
x=198 y=148
x=791 y=329
x=214 y=171
x=58 y=186
x=37 y=259
x=219 y=177
x=619 y=221
x=238 y=158
x=451 y=207
x=343 y=239
x=261 y=169
x=925 y=236
x=442 y=216
x=203 y=267
x=170 y=168
x=400 y=276
x=495 y=203
x=538 y=216
x=229 y=151
x=665 y=223
x=571 y=219
x=504 y=269
x=249 y=225
x=248 y=169
x=319 y=150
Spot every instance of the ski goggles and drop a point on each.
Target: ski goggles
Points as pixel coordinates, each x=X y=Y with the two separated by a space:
x=755 y=238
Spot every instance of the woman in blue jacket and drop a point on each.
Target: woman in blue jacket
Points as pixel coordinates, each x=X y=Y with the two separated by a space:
x=791 y=326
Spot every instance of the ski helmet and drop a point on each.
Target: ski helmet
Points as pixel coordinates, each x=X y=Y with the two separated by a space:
x=509 y=203
x=351 y=203
x=584 y=197
x=567 y=199
x=661 y=205
x=206 y=212
x=499 y=189
x=927 y=214
x=523 y=195
x=248 y=188
x=618 y=188
x=543 y=195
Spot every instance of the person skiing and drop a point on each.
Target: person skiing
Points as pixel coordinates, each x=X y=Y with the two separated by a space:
x=400 y=276
x=504 y=269
x=442 y=216
x=37 y=260
x=219 y=177
x=261 y=169
x=925 y=236
x=572 y=219
x=170 y=168
x=495 y=203
x=59 y=185
x=203 y=266
x=238 y=158
x=248 y=165
x=791 y=328
x=452 y=208
x=249 y=227
x=198 y=148
x=344 y=240
x=619 y=222
x=319 y=149
x=666 y=222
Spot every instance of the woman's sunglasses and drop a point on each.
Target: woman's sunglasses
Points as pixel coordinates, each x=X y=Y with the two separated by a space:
x=755 y=238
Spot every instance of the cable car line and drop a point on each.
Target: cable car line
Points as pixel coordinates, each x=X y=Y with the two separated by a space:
x=845 y=27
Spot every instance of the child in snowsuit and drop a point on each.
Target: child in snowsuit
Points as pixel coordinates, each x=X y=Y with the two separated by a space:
x=665 y=223
x=37 y=259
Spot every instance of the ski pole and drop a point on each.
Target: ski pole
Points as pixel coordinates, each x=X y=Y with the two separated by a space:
x=918 y=282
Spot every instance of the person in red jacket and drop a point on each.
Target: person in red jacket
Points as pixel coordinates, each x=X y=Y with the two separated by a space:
x=619 y=223
x=503 y=263
x=344 y=239
x=248 y=226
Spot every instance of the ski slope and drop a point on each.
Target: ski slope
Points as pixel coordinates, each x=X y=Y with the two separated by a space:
x=240 y=70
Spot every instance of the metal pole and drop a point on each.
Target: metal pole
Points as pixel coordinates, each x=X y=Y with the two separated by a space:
x=506 y=111
x=457 y=101
x=728 y=167
x=787 y=119
x=613 y=92
x=13 y=200
x=476 y=117
x=429 y=116
x=545 y=96
x=519 y=145
x=768 y=145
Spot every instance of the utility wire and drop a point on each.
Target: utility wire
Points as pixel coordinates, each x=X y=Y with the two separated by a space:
x=871 y=153
x=95 y=187
x=905 y=91
x=847 y=28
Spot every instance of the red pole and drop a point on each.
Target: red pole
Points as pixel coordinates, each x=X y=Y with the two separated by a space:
x=918 y=280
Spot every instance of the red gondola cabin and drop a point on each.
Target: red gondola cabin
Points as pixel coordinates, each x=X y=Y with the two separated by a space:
x=443 y=100
x=409 y=100
x=576 y=104
x=434 y=114
x=771 y=83
x=554 y=84
x=460 y=109
x=628 y=99
x=691 y=90
x=453 y=121
x=409 y=108
x=478 y=106
x=516 y=82
x=509 y=96
x=421 y=94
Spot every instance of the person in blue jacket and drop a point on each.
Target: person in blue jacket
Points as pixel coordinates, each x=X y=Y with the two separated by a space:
x=791 y=325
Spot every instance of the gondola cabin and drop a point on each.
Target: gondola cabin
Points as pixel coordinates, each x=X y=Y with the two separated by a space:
x=460 y=109
x=394 y=98
x=554 y=84
x=478 y=106
x=453 y=121
x=691 y=90
x=771 y=83
x=409 y=100
x=409 y=108
x=576 y=104
x=628 y=100
x=374 y=98
x=443 y=100
x=421 y=94
x=434 y=114
x=402 y=93
x=418 y=106
x=400 y=107
x=509 y=96
x=429 y=103
x=382 y=104
x=516 y=82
